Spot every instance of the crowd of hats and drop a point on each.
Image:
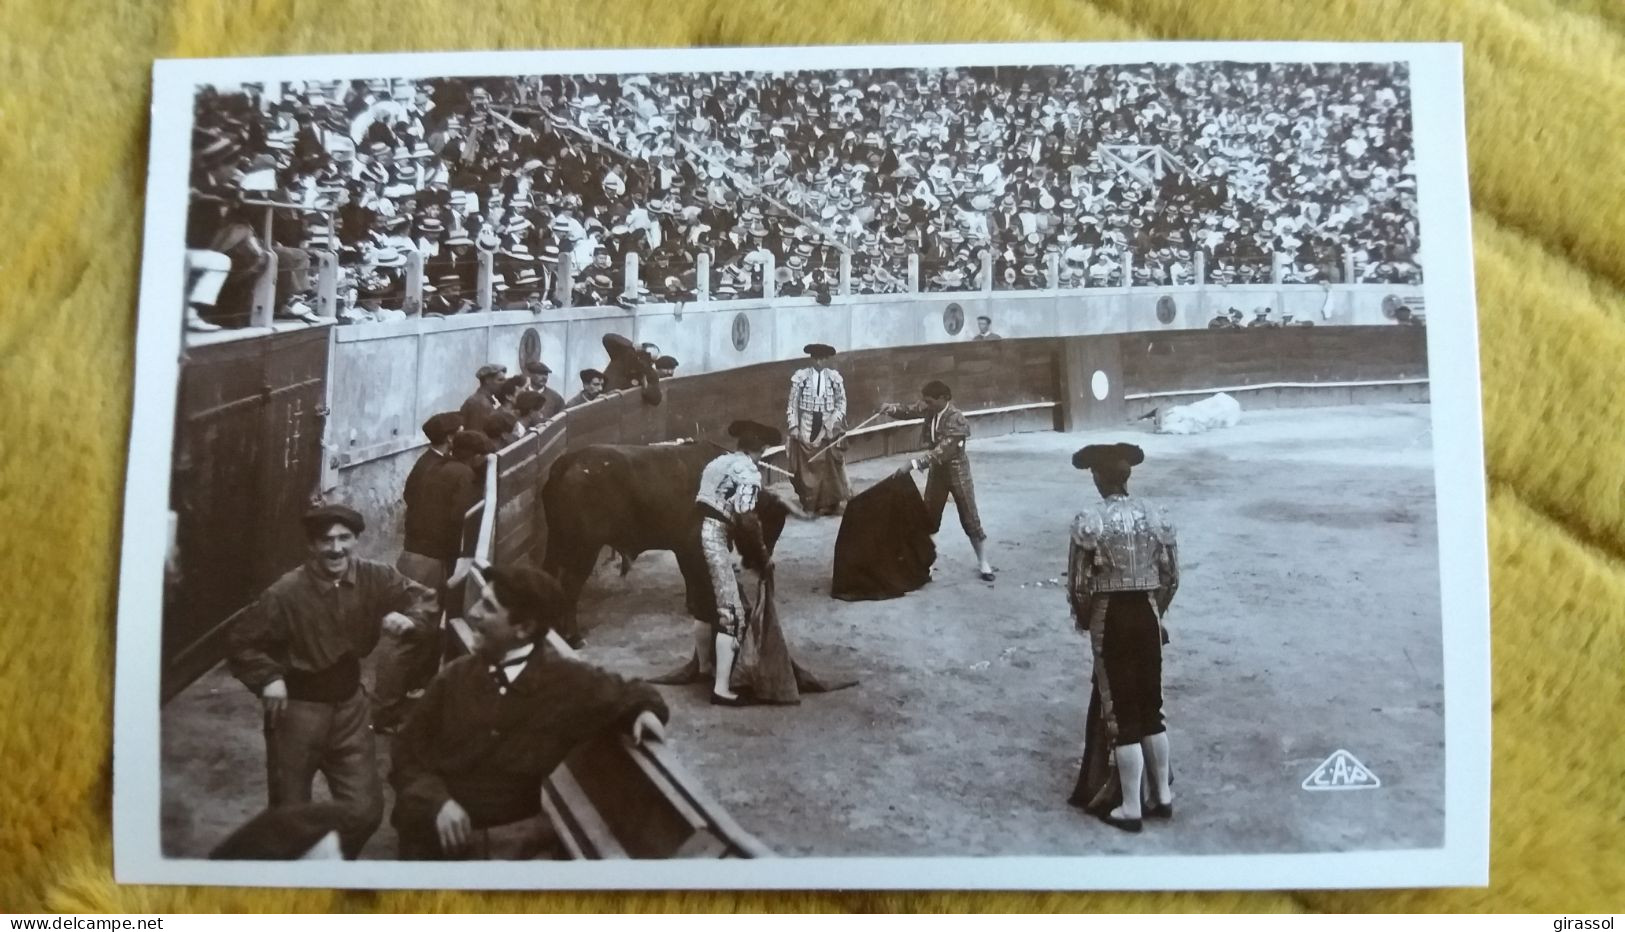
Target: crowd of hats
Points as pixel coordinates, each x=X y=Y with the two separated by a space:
x=1305 y=167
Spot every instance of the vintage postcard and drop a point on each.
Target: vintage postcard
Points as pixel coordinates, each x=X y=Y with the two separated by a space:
x=1005 y=466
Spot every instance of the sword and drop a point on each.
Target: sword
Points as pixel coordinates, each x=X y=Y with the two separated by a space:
x=765 y=465
x=825 y=448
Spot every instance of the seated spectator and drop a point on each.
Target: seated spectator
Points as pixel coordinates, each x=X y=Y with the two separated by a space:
x=494 y=725
x=1247 y=170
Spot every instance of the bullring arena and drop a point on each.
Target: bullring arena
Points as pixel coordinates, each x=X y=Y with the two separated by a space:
x=1307 y=620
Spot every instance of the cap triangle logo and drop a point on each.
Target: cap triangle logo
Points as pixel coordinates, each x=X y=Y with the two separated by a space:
x=1341 y=771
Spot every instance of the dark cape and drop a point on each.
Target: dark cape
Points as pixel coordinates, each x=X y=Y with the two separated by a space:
x=764 y=669
x=1098 y=789
x=764 y=672
x=884 y=548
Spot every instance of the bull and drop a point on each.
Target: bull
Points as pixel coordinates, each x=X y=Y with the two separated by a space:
x=635 y=499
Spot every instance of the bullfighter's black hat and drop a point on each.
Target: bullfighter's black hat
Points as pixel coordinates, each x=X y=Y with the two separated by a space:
x=286 y=833
x=320 y=518
x=1106 y=455
x=936 y=388
x=754 y=433
x=819 y=350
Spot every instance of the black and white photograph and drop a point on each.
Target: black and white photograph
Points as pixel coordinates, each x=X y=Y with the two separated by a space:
x=1008 y=466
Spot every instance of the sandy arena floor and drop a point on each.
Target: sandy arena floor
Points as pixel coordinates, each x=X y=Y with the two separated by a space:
x=1307 y=621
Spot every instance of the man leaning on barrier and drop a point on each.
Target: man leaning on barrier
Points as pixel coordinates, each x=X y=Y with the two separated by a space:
x=495 y=724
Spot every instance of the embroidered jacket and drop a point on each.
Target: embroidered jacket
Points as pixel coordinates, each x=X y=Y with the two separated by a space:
x=944 y=433
x=816 y=392
x=1122 y=544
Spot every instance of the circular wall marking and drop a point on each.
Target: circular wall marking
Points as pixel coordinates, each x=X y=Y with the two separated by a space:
x=953 y=319
x=741 y=331
x=1100 y=385
x=530 y=348
x=1166 y=309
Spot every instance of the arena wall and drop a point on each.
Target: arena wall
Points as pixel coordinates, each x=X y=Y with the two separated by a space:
x=1068 y=362
x=1006 y=386
x=432 y=360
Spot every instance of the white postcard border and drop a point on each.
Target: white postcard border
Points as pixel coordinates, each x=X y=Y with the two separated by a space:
x=1445 y=217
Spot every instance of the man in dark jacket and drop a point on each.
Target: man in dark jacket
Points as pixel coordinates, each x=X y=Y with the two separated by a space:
x=630 y=367
x=407 y=663
x=536 y=376
x=478 y=406
x=496 y=723
x=299 y=648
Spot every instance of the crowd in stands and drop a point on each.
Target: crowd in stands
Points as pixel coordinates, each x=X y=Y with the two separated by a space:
x=1065 y=177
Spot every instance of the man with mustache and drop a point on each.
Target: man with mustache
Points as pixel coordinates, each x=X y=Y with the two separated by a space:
x=299 y=648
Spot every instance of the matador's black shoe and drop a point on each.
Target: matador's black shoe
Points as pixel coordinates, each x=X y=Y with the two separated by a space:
x=1160 y=811
x=1134 y=826
x=735 y=702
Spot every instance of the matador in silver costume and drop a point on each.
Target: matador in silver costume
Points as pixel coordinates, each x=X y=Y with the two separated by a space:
x=1122 y=573
x=726 y=502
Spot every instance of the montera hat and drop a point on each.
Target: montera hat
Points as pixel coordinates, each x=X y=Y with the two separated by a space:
x=754 y=433
x=819 y=350
x=1108 y=455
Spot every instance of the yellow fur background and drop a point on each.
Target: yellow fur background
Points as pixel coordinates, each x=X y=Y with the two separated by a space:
x=1546 y=120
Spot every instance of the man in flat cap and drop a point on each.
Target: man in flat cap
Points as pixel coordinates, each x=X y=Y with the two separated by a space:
x=406 y=664
x=299 y=648
x=946 y=464
x=666 y=367
x=592 y=386
x=479 y=405
x=729 y=488
x=536 y=375
x=496 y=723
x=984 y=329
x=1122 y=573
x=816 y=419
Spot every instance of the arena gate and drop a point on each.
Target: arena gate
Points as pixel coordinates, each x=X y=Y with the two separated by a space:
x=248 y=453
